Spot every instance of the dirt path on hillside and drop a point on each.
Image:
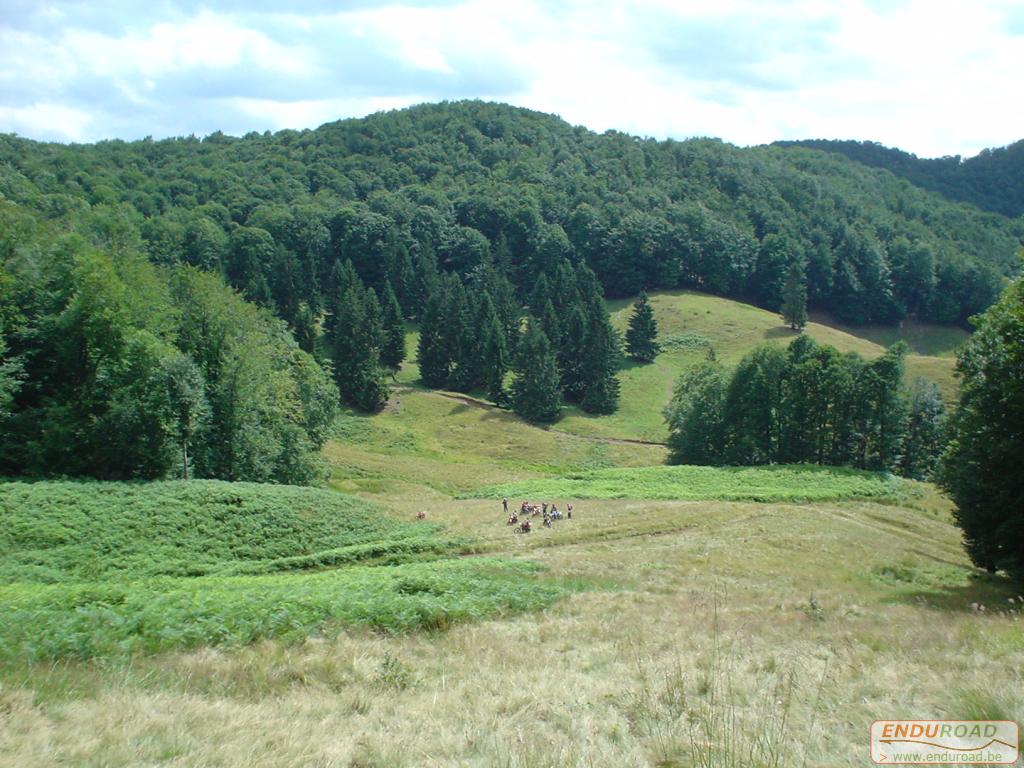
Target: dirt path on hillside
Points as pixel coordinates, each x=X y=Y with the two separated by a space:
x=474 y=403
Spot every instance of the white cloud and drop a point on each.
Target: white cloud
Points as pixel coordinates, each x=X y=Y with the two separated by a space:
x=50 y=120
x=933 y=78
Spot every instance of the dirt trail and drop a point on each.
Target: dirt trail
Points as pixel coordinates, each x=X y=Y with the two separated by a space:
x=474 y=403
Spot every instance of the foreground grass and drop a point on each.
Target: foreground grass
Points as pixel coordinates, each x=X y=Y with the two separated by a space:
x=767 y=484
x=832 y=614
x=110 y=618
x=108 y=569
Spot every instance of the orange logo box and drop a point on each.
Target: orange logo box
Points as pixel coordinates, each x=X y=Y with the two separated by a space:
x=945 y=742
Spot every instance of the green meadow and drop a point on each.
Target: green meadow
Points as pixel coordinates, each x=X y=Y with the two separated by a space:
x=766 y=484
x=685 y=616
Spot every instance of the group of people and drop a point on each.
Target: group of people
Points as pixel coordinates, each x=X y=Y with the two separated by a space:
x=521 y=517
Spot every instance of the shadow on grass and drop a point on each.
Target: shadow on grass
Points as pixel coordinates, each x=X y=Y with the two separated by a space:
x=993 y=591
x=628 y=364
x=781 y=332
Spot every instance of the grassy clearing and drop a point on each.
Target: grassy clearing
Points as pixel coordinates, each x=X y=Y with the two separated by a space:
x=427 y=447
x=83 y=620
x=689 y=323
x=766 y=484
x=80 y=531
x=924 y=339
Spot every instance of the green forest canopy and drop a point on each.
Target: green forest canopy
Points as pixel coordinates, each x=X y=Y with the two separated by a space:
x=469 y=181
x=124 y=351
x=993 y=180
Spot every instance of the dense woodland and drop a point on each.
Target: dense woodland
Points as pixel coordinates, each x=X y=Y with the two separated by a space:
x=809 y=404
x=993 y=180
x=124 y=351
x=463 y=183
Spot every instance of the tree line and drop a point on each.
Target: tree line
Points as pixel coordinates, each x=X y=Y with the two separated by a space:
x=114 y=368
x=476 y=335
x=808 y=404
x=982 y=462
x=469 y=183
x=991 y=180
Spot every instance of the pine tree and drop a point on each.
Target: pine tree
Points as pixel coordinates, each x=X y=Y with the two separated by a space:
x=431 y=354
x=356 y=340
x=425 y=282
x=571 y=354
x=550 y=324
x=641 y=337
x=540 y=296
x=304 y=328
x=461 y=337
x=492 y=350
x=393 y=352
x=372 y=388
x=794 y=296
x=599 y=360
x=601 y=394
x=343 y=276
x=536 y=391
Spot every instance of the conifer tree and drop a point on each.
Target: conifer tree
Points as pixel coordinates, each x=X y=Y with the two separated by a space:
x=641 y=338
x=536 y=391
x=600 y=361
x=393 y=352
x=571 y=354
x=550 y=324
x=540 y=296
x=425 y=282
x=492 y=350
x=564 y=292
x=794 y=296
x=357 y=337
x=304 y=328
x=461 y=336
x=432 y=354
x=372 y=391
x=343 y=276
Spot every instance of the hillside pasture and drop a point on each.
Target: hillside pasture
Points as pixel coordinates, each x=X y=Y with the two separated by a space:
x=692 y=323
x=780 y=483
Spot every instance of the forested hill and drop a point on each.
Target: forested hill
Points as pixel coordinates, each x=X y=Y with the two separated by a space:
x=993 y=180
x=470 y=181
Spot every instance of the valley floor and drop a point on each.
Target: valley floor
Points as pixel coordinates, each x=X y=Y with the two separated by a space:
x=773 y=634
x=694 y=633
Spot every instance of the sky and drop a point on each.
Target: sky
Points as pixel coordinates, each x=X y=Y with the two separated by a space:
x=933 y=77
